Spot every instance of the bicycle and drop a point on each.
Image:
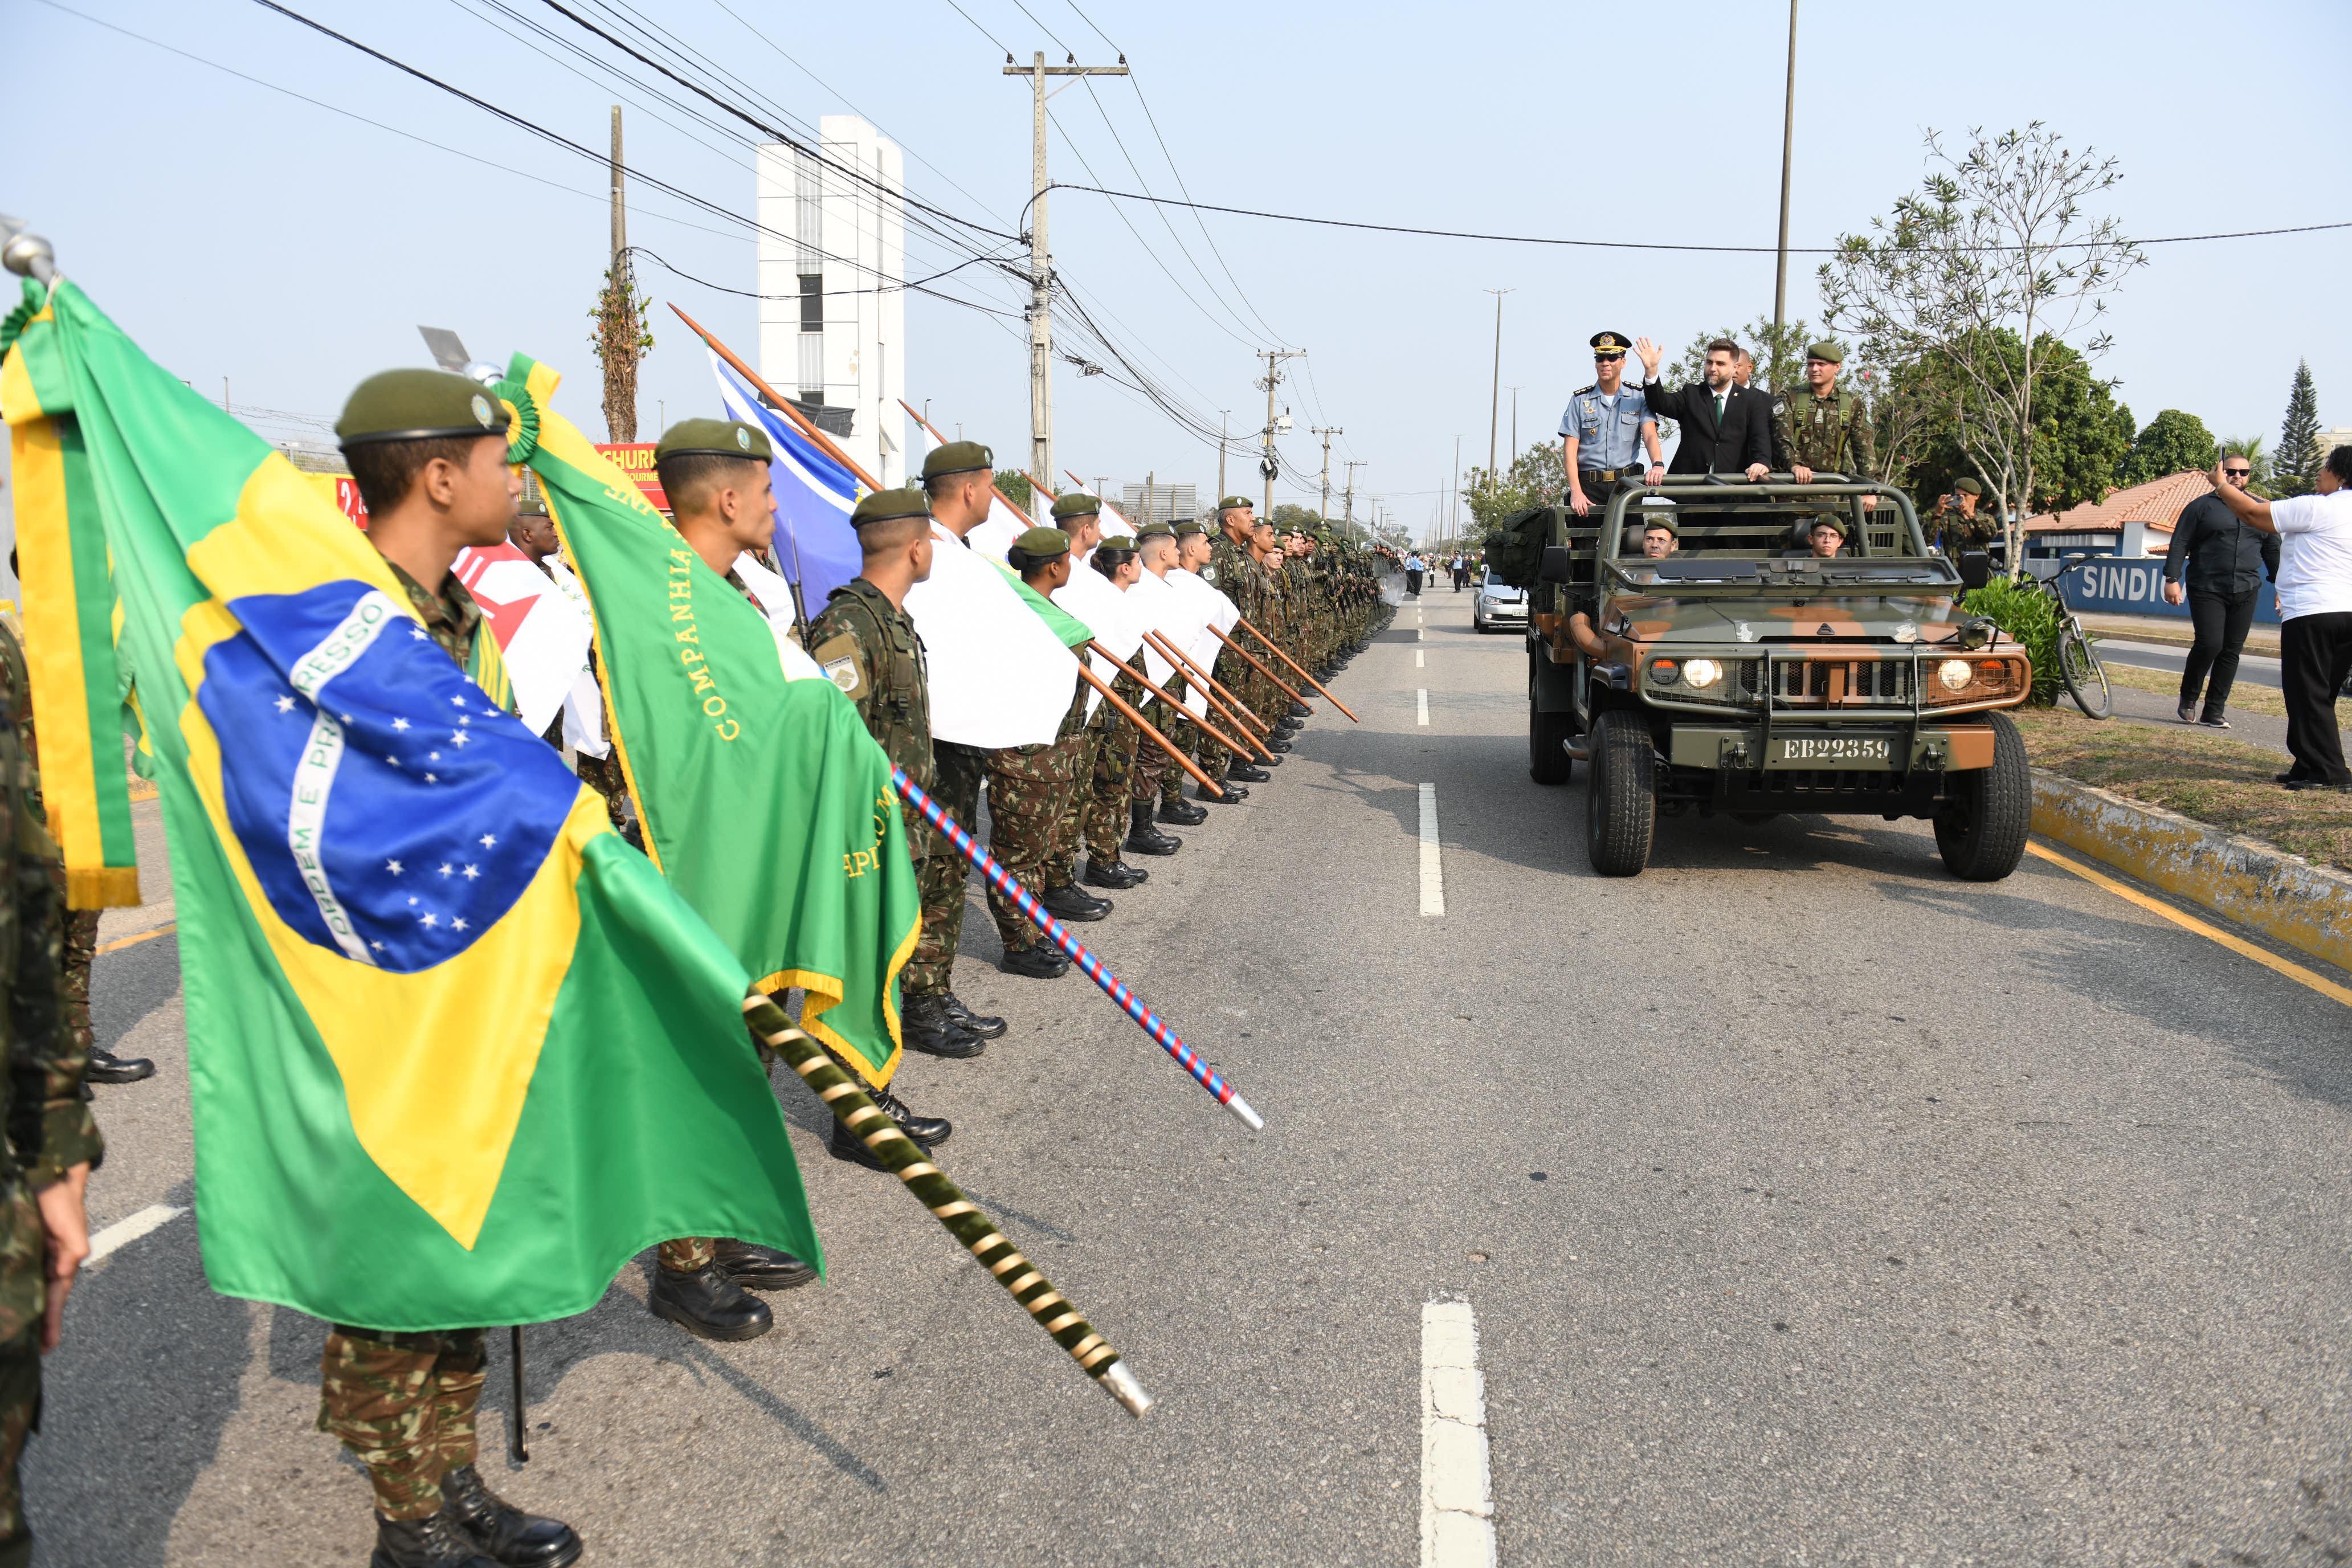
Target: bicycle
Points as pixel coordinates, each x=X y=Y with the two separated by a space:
x=2084 y=678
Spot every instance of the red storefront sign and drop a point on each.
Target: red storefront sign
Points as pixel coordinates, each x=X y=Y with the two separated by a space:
x=635 y=458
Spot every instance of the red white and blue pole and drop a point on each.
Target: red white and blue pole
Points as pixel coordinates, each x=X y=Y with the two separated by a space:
x=1115 y=988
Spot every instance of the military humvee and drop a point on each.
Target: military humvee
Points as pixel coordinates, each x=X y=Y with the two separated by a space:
x=1745 y=676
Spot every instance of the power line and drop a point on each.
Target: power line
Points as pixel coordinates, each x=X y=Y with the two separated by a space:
x=915 y=286
x=1627 y=244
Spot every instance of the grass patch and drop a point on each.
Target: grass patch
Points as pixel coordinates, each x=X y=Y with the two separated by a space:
x=2228 y=783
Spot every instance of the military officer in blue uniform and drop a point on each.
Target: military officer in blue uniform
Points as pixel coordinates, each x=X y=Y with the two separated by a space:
x=1606 y=429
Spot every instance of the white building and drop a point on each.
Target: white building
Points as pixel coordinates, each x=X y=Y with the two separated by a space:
x=832 y=317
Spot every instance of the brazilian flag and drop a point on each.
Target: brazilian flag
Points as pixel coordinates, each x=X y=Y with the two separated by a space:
x=763 y=799
x=456 y=1051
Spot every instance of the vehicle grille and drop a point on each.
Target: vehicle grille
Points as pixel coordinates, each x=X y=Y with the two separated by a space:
x=1821 y=682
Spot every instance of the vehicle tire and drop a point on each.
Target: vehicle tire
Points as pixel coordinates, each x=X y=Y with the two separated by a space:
x=1547 y=737
x=1620 y=803
x=2085 y=676
x=1981 y=831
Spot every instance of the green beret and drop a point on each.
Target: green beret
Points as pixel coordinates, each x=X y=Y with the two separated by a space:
x=1823 y=520
x=1232 y=502
x=889 y=506
x=1118 y=543
x=1185 y=528
x=1154 y=531
x=418 y=406
x=714 y=438
x=957 y=458
x=1042 y=543
x=1660 y=519
x=1077 y=503
x=1968 y=488
x=1826 y=350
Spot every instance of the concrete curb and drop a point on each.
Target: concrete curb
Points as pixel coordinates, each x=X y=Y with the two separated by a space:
x=2283 y=896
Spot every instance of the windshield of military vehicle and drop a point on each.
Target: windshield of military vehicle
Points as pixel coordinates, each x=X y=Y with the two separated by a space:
x=1770 y=533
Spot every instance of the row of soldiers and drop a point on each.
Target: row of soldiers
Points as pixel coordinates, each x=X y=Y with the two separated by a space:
x=432 y=472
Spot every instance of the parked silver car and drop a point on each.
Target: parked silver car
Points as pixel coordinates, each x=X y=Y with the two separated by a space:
x=1499 y=606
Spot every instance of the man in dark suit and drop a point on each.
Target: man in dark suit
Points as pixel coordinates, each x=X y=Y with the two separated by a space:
x=1727 y=428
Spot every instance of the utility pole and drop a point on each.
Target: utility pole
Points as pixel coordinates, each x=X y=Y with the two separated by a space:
x=1515 y=419
x=1454 y=509
x=1353 y=464
x=620 y=210
x=1327 y=433
x=1224 y=416
x=1494 y=399
x=1041 y=260
x=1270 y=465
x=1788 y=150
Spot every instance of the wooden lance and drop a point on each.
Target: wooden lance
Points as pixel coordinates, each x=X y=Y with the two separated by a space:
x=1219 y=736
x=1140 y=722
x=1227 y=703
x=1289 y=691
x=1296 y=665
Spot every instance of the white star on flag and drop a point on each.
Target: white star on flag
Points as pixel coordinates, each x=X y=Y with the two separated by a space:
x=490 y=841
x=459 y=737
x=459 y=924
x=429 y=918
x=393 y=866
x=286 y=705
x=472 y=872
x=400 y=723
x=444 y=869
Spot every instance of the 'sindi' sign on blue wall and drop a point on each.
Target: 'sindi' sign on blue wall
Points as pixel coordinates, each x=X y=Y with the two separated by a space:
x=2136 y=587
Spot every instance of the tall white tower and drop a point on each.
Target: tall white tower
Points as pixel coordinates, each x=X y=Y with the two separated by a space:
x=832 y=315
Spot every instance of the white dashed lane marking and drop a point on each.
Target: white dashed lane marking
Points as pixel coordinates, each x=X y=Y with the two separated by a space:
x=1457 y=1507
x=123 y=1232
x=1416 y=658
x=1433 y=875
x=1421 y=707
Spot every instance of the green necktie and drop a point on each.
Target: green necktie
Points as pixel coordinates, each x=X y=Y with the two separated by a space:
x=1718 y=410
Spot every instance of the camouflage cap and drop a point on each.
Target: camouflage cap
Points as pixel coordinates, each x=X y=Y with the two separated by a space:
x=1077 y=503
x=889 y=506
x=1968 y=488
x=714 y=438
x=957 y=458
x=1235 y=503
x=1826 y=350
x=1042 y=543
x=1154 y=531
x=418 y=406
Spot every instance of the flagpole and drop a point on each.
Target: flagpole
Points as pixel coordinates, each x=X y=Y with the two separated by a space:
x=1275 y=648
x=996 y=876
x=1017 y=511
x=963 y=1219
x=823 y=442
x=1227 y=703
x=1219 y=736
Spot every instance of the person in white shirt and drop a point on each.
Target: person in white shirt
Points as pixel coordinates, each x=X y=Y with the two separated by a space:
x=2314 y=607
x=1413 y=568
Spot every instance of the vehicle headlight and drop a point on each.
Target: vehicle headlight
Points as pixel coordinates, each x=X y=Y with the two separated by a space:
x=1954 y=674
x=1666 y=671
x=1702 y=673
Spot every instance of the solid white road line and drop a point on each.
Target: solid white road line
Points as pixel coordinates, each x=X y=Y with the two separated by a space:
x=1457 y=1504
x=123 y=1232
x=1421 y=706
x=1433 y=875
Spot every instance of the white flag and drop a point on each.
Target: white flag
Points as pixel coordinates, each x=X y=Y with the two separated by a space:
x=542 y=636
x=998 y=675
x=775 y=596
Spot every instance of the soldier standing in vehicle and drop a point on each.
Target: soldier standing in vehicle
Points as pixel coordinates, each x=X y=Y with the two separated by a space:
x=1607 y=427
x=1824 y=430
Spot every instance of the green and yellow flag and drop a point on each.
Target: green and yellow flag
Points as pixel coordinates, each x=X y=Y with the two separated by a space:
x=456 y=1051
x=762 y=797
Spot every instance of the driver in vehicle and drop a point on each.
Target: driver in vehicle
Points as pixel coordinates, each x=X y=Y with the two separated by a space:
x=1826 y=538
x=1659 y=538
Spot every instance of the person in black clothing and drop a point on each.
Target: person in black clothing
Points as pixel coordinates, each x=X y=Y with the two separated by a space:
x=2224 y=562
x=1727 y=428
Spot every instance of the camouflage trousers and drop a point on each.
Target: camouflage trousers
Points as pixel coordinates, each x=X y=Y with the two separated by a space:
x=20 y=1417
x=690 y=1254
x=1070 y=824
x=940 y=871
x=80 y=950
x=1105 y=800
x=1026 y=788
x=403 y=1405
x=1153 y=777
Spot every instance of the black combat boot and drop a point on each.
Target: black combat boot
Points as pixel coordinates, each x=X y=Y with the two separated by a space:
x=971 y=1022
x=1114 y=874
x=708 y=1305
x=1300 y=710
x=1144 y=838
x=1277 y=742
x=1246 y=773
x=1290 y=722
x=504 y=1532
x=1038 y=962
x=1071 y=903
x=1235 y=794
x=927 y=1027
x=105 y=1066
x=431 y=1541
x=758 y=1268
x=1181 y=811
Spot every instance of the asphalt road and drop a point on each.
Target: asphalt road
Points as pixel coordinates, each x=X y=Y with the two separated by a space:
x=1813 y=1207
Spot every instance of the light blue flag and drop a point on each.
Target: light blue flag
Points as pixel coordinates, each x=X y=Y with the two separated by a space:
x=814 y=494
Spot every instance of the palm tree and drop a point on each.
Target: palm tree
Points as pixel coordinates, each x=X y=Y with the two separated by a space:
x=2251 y=448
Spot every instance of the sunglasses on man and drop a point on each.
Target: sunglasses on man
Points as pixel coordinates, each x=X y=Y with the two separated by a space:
x=2238 y=473
x=1618 y=355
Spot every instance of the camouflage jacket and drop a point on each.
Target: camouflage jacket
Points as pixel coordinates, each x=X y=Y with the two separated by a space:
x=1949 y=526
x=49 y=1129
x=1829 y=434
x=866 y=645
x=1232 y=569
x=451 y=617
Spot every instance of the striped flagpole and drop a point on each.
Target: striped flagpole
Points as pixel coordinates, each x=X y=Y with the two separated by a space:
x=1115 y=988
x=962 y=1218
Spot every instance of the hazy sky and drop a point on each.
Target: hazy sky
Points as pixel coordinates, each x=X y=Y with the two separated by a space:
x=239 y=233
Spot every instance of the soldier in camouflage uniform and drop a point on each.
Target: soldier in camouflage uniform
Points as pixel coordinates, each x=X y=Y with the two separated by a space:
x=1155 y=784
x=427 y=450
x=1232 y=774
x=52 y=1143
x=1823 y=429
x=1078 y=517
x=1954 y=525
x=866 y=645
x=1105 y=796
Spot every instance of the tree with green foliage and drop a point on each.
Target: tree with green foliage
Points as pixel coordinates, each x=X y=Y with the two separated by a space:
x=1289 y=514
x=2295 y=468
x=2173 y=442
x=1016 y=488
x=1537 y=477
x=2251 y=448
x=2081 y=434
x=1995 y=258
